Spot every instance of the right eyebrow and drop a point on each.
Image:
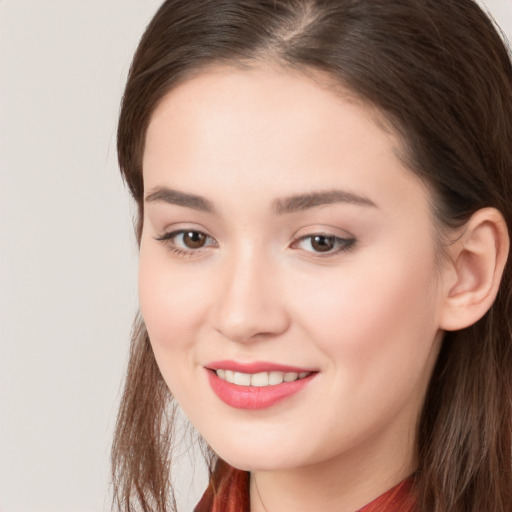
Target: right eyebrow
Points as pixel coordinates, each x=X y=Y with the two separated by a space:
x=171 y=196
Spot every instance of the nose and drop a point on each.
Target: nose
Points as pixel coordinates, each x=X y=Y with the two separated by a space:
x=249 y=304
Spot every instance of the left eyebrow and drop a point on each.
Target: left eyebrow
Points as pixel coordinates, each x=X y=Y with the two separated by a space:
x=311 y=200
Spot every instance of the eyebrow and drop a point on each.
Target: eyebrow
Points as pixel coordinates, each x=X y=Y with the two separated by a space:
x=282 y=206
x=311 y=200
x=168 y=195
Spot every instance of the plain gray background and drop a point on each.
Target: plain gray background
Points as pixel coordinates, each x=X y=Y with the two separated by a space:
x=68 y=256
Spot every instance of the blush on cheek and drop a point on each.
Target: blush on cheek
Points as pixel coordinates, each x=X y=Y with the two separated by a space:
x=371 y=314
x=171 y=304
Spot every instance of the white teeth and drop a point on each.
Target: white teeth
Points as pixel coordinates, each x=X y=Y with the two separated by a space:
x=275 y=378
x=242 y=379
x=259 y=379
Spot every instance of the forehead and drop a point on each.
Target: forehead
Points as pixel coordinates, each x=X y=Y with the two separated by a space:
x=268 y=129
x=306 y=94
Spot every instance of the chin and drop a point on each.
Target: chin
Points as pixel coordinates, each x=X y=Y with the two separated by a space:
x=260 y=456
x=256 y=461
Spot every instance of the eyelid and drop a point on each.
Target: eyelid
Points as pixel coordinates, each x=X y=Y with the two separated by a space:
x=341 y=243
x=167 y=239
x=323 y=229
x=175 y=232
x=344 y=243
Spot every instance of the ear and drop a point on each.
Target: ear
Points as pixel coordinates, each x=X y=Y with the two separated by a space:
x=477 y=260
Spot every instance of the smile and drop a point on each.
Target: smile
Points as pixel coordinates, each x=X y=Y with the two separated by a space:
x=261 y=379
x=258 y=385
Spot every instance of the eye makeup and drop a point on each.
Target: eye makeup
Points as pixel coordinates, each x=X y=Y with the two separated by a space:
x=186 y=242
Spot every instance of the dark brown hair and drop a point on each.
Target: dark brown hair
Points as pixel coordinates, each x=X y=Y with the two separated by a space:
x=440 y=74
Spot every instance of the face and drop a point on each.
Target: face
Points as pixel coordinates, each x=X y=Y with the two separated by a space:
x=288 y=276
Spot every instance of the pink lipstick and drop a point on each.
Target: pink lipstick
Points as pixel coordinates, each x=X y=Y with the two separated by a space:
x=257 y=385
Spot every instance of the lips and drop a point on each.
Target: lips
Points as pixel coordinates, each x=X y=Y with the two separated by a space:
x=256 y=385
x=256 y=367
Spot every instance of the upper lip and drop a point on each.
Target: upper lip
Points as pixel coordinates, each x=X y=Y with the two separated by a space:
x=255 y=367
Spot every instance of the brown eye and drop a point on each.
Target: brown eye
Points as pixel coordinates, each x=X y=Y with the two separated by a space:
x=194 y=239
x=324 y=244
x=321 y=243
x=187 y=242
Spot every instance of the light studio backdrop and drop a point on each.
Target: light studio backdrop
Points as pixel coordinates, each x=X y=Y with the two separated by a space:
x=68 y=256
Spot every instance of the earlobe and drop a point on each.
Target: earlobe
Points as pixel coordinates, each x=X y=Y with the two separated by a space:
x=478 y=258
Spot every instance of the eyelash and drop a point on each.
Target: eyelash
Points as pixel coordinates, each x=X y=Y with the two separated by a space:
x=342 y=244
x=168 y=240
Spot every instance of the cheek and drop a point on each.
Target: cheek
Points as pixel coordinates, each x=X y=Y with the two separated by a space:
x=377 y=323
x=171 y=301
x=172 y=306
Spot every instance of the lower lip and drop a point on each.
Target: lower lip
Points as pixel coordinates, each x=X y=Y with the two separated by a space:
x=252 y=397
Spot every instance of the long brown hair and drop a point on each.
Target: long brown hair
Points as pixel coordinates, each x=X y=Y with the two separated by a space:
x=440 y=74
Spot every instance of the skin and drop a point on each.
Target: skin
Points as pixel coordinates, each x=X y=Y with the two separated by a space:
x=366 y=318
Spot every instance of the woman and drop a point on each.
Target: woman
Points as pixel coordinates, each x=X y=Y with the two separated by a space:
x=324 y=191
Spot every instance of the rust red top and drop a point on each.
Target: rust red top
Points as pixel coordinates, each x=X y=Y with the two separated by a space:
x=228 y=491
